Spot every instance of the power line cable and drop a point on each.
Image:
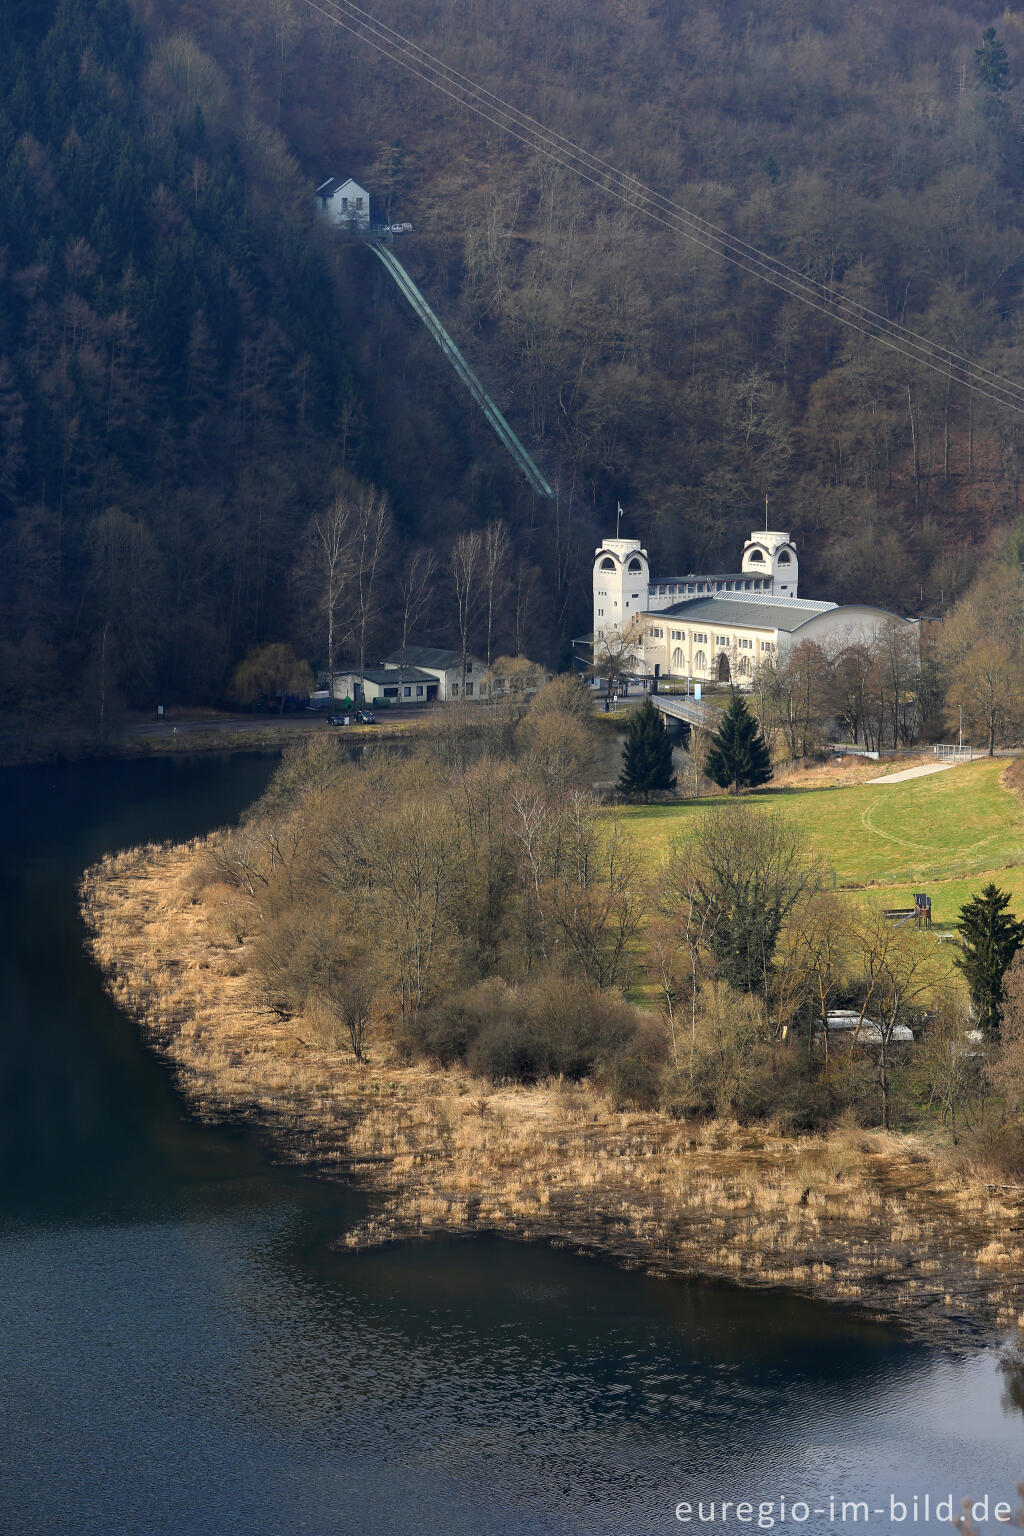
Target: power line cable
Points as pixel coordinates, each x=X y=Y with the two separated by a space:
x=746 y=258
x=943 y=360
x=432 y=62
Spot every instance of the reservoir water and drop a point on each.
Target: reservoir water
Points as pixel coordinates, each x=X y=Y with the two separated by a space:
x=181 y=1351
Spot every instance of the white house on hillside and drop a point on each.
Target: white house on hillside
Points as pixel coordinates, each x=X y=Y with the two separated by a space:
x=720 y=626
x=344 y=203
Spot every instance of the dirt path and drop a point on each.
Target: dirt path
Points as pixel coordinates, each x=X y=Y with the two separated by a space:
x=912 y=773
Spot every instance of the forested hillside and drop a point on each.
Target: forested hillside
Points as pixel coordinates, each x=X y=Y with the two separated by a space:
x=187 y=363
x=867 y=144
x=178 y=389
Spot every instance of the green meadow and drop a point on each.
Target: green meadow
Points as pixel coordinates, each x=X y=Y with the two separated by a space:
x=942 y=833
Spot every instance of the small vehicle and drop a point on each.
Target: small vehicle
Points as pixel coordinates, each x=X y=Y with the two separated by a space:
x=339 y=719
x=365 y=717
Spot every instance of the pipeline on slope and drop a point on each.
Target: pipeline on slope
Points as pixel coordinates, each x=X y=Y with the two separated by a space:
x=502 y=431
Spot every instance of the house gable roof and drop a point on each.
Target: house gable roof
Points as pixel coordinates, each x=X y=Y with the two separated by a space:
x=427 y=656
x=332 y=185
x=390 y=676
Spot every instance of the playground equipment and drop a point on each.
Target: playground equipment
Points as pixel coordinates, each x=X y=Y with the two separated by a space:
x=920 y=914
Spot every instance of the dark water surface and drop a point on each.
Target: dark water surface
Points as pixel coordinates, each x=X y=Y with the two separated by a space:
x=180 y=1352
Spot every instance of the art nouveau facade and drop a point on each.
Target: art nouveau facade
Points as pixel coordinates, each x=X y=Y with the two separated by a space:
x=718 y=627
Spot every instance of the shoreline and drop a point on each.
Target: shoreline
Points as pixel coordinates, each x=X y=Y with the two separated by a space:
x=872 y=1222
x=33 y=748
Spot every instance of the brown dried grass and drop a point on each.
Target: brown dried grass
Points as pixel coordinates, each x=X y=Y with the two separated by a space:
x=837 y=1214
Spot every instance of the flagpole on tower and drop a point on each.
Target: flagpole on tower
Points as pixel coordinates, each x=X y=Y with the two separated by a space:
x=618 y=518
x=766 y=511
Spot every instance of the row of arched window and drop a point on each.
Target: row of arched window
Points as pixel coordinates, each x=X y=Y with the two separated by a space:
x=744 y=666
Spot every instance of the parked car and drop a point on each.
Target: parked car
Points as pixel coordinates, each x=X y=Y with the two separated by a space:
x=365 y=717
x=339 y=719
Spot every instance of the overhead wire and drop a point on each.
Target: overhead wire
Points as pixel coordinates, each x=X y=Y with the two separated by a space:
x=634 y=194
x=943 y=360
x=432 y=61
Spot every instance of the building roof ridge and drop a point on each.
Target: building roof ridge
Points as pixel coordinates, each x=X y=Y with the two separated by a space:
x=775 y=600
x=703 y=576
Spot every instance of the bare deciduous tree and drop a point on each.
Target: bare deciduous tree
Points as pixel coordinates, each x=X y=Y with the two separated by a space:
x=985 y=692
x=949 y=1063
x=526 y=582
x=348 y=992
x=690 y=922
x=617 y=651
x=466 y=561
x=495 y=556
x=898 y=968
x=598 y=895
x=370 y=536
x=326 y=564
x=1006 y=1072
x=415 y=588
x=744 y=872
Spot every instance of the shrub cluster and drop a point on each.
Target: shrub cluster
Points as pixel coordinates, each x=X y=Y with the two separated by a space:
x=471 y=903
x=549 y=1026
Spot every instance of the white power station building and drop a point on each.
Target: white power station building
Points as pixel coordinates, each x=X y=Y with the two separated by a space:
x=718 y=626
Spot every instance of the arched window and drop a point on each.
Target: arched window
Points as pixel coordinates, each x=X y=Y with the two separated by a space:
x=724 y=670
x=755 y=557
x=744 y=667
x=607 y=564
x=677 y=658
x=634 y=567
x=783 y=558
x=700 y=662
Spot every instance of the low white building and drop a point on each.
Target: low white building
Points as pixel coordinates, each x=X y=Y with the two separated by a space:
x=392 y=686
x=445 y=667
x=344 y=203
x=720 y=627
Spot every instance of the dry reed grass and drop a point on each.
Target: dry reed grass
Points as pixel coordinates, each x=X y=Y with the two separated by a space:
x=866 y=1218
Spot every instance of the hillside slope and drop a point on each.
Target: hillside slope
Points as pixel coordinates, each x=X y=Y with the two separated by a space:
x=873 y=147
x=186 y=365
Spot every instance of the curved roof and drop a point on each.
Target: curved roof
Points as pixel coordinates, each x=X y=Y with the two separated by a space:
x=855 y=615
x=752 y=613
x=789 y=615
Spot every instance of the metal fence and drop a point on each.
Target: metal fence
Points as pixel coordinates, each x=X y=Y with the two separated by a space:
x=955 y=754
x=922 y=874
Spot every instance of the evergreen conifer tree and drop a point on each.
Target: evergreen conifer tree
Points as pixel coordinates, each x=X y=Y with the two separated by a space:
x=647 y=755
x=991 y=937
x=991 y=64
x=738 y=757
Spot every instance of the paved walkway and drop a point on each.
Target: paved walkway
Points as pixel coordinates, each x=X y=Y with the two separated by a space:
x=912 y=773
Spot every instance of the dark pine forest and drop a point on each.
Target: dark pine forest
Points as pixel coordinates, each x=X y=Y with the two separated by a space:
x=190 y=366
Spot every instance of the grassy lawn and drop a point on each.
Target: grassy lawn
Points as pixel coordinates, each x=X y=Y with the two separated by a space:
x=934 y=833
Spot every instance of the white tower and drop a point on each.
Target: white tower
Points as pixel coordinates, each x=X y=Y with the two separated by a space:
x=622 y=581
x=773 y=554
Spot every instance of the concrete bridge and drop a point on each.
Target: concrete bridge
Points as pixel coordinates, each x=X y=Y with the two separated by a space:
x=686 y=710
